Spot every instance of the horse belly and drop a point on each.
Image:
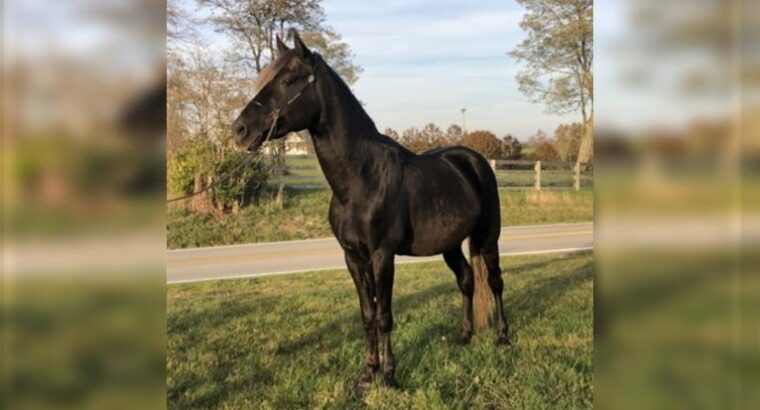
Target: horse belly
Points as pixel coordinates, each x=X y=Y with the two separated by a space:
x=441 y=228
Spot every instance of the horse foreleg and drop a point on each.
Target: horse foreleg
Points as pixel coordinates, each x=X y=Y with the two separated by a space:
x=383 y=270
x=365 y=288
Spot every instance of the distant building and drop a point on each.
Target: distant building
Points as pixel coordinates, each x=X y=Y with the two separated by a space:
x=295 y=144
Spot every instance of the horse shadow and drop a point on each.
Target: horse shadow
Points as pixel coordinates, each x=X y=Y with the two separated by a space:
x=528 y=304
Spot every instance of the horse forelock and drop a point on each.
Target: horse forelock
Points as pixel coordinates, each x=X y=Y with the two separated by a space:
x=269 y=73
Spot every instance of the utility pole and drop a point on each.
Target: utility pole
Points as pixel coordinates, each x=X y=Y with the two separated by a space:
x=464 y=123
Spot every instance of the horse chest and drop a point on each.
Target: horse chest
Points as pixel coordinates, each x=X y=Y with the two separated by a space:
x=361 y=225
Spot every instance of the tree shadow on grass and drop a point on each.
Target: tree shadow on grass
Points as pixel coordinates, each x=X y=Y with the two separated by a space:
x=525 y=306
x=211 y=385
x=351 y=324
x=522 y=308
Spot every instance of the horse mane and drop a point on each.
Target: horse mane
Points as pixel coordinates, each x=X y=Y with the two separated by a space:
x=344 y=91
x=270 y=71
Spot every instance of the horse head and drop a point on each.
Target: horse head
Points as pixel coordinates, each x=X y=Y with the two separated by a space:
x=285 y=99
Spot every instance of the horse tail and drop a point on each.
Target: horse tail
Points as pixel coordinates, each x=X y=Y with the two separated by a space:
x=482 y=303
x=484 y=240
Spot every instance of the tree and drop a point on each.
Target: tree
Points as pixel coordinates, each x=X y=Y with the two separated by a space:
x=391 y=133
x=545 y=151
x=454 y=133
x=410 y=138
x=558 y=55
x=538 y=137
x=338 y=54
x=511 y=147
x=433 y=136
x=254 y=25
x=429 y=137
x=567 y=140
x=485 y=142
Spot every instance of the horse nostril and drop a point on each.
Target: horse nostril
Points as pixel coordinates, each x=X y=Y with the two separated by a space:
x=240 y=130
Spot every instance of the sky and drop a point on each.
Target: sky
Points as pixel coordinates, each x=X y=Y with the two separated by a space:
x=425 y=60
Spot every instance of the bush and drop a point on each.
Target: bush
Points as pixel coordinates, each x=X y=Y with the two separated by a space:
x=237 y=177
x=240 y=177
x=194 y=157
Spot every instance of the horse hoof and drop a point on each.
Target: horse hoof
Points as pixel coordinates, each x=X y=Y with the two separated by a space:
x=363 y=386
x=503 y=340
x=465 y=338
x=389 y=381
x=364 y=383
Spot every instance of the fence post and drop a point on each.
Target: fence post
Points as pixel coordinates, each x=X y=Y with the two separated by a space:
x=577 y=176
x=493 y=164
x=537 y=168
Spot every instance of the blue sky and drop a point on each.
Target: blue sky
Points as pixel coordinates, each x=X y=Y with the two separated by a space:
x=424 y=60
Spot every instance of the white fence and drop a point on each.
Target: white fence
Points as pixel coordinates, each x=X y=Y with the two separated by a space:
x=558 y=173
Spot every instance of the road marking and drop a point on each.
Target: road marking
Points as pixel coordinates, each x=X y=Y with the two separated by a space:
x=417 y=260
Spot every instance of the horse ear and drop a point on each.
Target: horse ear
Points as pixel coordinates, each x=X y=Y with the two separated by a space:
x=281 y=47
x=299 y=45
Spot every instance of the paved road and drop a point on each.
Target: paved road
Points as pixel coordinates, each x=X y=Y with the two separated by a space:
x=278 y=258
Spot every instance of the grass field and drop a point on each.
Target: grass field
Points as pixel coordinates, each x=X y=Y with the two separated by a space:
x=296 y=341
x=551 y=179
x=304 y=172
x=304 y=215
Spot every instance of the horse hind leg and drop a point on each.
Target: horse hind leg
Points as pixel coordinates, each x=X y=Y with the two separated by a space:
x=458 y=264
x=490 y=255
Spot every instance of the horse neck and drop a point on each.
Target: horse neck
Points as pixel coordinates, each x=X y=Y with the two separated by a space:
x=344 y=134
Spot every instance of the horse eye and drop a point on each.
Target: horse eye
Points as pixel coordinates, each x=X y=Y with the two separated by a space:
x=290 y=80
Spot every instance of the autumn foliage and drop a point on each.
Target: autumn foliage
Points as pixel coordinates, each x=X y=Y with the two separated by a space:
x=485 y=142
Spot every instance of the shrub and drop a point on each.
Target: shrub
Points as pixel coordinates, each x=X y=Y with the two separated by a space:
x=237 y=177
x=195 y=157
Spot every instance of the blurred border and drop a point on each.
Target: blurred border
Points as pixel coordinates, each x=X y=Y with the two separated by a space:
x=83 y=286
x=678 y=212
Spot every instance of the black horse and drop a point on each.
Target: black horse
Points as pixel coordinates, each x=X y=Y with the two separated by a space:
x=386 y=200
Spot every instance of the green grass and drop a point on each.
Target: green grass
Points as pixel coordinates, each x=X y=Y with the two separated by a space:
x=304 y=172
x=549 y=178
x=304 y=215
x=297 y=341
x=680 y=327
x=93 y=341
